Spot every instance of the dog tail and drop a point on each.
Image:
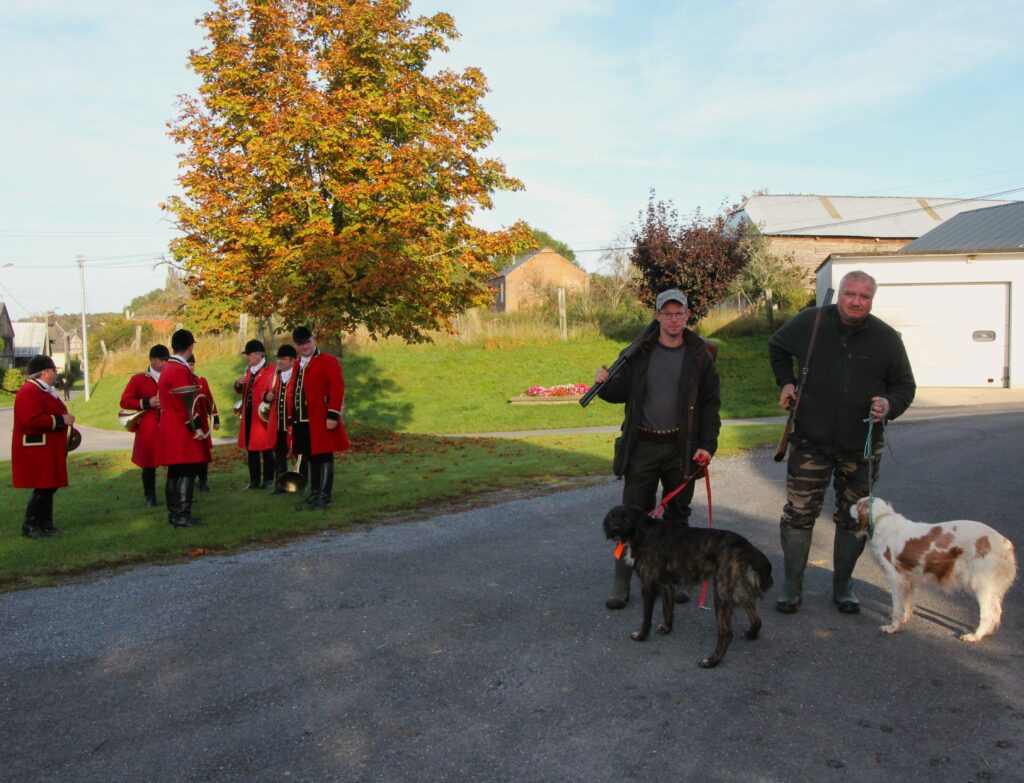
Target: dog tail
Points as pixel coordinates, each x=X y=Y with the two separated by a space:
x=759 y=574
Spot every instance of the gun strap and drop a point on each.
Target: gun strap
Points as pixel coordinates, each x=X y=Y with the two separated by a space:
x=807 y=361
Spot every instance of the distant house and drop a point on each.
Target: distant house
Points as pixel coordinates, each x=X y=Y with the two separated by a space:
x=528 y=280
x=956 y=295
x=38 y=337
x=810 y=228
x=6 y=339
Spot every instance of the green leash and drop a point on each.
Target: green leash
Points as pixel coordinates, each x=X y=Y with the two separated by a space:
x=871 y=472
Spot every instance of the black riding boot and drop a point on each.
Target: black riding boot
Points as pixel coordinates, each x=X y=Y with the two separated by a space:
x=32 y=526
x=316 y=470
x=254 y=471
x=189 y=492
x=326 y=483
x=174 y=496
x=149 y=486
x=46 y=513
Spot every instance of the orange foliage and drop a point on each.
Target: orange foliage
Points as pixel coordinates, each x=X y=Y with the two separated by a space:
x=326 y=176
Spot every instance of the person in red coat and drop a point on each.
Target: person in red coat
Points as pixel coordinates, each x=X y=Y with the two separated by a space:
x=181 y=433
x=316 y=400
x=140 y=395
x=39 y=447
x=256 y=436
x=278 y=400
x=203 y=477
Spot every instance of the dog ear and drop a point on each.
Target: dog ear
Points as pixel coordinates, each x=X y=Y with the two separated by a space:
x=863 y=519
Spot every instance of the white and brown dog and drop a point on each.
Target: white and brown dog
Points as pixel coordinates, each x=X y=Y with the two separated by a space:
x=961 y=554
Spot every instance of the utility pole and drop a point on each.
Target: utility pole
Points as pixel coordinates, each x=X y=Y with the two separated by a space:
x=85 y=333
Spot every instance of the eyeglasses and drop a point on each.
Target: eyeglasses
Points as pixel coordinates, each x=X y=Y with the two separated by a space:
x=673 y=316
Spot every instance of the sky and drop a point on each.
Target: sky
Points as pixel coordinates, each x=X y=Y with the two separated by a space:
x=598 y=102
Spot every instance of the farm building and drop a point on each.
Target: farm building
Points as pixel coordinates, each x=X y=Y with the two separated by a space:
x=532 y=276
x=956 y=295
x=811 y=228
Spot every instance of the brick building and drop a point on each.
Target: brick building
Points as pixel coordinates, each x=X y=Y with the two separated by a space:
x=530 y=278
x=811 y=228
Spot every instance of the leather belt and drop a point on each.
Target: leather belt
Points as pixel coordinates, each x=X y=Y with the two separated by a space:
x=658 y=436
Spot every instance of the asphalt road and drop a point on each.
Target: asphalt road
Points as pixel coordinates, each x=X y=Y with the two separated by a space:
x=475 y=647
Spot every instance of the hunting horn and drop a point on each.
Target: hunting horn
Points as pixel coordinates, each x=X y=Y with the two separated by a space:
x=196 y=405
x=130 y=420
x=293 y=481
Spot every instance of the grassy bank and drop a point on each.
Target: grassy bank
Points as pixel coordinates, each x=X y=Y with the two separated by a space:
x=454 y=387
x=105 y=523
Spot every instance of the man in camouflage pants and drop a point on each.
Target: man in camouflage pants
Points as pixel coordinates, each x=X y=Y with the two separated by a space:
x=859 y=369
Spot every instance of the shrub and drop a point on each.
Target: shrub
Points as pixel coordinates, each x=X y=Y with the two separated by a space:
x=13 y=379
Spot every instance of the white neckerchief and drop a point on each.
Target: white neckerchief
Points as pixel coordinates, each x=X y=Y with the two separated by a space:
x=47 y=388
x=181 y=360
x=304 y=360
x=258 y=367
x=154 y=374
x=286 y=375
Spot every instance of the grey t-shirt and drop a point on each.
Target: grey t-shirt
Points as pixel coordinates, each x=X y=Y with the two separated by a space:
x=662 y=409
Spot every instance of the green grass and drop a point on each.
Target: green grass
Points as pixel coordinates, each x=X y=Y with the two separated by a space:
x=105 y=524
x=434 y=389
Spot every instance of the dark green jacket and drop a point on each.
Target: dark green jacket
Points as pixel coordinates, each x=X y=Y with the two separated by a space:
x=698 y=394
x=842 y=378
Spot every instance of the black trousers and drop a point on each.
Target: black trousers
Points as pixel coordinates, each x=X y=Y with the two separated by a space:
x=651 y=464
x=39 y=510
x=256 y=458
x=184 y=470
x=149 y=482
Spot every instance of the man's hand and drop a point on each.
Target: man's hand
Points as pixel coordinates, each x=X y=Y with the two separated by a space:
x=701 y=457
x=601 y=375
x=879 y=408
x=69 y=419
x=200 y=435
x=332 y=424
x=788 y=396
x=154 y=401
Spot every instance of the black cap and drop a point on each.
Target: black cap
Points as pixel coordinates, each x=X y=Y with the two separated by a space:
x=182 y=339
x=301 y=334
x=159 y=352
x=253 y=346
x=38 y=363
x=286 y=350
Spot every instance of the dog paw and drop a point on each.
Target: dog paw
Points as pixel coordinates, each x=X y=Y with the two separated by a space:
x=888 y=628
x=638 y=636
x=664 y=629
x=708 y=663
x=751 y=634
x=970 y=637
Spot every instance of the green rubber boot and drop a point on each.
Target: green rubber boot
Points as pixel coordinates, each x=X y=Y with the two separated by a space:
x=845 y=551
x=620 y=587
x=796 y=546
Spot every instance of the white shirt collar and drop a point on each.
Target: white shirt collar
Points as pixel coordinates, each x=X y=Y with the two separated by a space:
x=155 y=374
x=259 y=366
x=47 y=387
x=286 y=375
x=304 y=360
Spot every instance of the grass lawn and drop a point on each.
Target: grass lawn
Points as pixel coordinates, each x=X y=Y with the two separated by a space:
x=105 y=524
x=435 y=389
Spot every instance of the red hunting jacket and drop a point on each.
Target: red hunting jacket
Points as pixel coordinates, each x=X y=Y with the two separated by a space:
x=316 y=393
x=178 y=446
x=214 y=414
x=135 y=397
x=39 y=441
x=263 y=436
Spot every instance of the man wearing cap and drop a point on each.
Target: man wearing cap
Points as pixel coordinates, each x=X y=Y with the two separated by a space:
x=141 y=395
x=203 y=476
x=278 y=401
x=256 y=436
x=671 y=391
x=316 y=399
x=39 y=445
x=181 y=447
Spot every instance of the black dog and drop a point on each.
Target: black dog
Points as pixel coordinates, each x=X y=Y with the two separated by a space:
x=666 y=556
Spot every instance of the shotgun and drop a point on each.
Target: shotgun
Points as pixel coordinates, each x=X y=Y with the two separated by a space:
x=617 y=365
x=787 y=431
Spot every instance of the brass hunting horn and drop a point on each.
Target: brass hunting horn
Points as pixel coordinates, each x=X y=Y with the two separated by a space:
x=293 y=481
x=130 y=420
x=197 y=404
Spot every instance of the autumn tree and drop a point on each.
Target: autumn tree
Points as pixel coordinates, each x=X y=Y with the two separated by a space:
x=542 y=239
x=328 y=177
x=700 y=256
x=766 y=279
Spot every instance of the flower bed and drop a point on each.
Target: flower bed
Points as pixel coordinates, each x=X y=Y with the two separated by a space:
x=537 y=395
x=565 y=390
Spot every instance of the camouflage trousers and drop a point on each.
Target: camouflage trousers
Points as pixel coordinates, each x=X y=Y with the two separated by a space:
x=808 y=474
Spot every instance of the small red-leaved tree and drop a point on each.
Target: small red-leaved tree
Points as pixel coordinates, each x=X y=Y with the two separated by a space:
x=328 y=175
x=700 y=257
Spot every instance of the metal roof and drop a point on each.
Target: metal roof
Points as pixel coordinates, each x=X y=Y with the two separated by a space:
x=894 y=217
x=518 y=263
x=992 y=228
x=29 y=338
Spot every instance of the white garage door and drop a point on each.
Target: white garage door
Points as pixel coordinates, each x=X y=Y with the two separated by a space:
x=956 y=334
